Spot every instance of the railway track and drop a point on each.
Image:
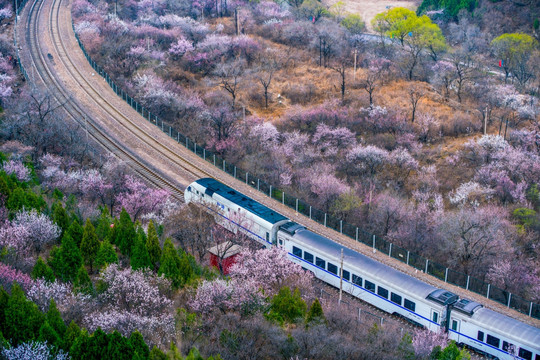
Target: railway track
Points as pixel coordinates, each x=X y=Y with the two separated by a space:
x=98 y=129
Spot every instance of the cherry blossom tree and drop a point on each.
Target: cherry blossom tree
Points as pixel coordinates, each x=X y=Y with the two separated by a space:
x=329 y=141
x=270 y=269
x=9 y=275
x=424 y=341
x=40 y=230
x=21 y=172
x=365 y=160
x=139 y=199
x=34 y=350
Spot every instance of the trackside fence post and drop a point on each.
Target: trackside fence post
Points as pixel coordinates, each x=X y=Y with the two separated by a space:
x=357 y=234
x=427 y=263
x=373 y=243
x=446 y=276
x=489 y=288
x=297 y=205
x=390 y=250
x=509 y=298
x=408 y=257
x=468 y=278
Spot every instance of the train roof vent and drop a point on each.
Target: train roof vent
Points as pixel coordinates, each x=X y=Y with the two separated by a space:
x=468 y=307
x=291 y=227
x=443 y=297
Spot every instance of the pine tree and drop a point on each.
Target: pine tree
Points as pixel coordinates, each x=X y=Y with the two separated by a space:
x=48 y=334
x=170 y=264
x=139 y=346
x=82 y=283
x=106 y=254
x=152 y=245
x=174 y=353
x=157 y=354
x=125 y=233
x=287 y=306
x=186 y=271
x=139 y=257
x=66 y=260
x=98 y=345
x=22 y=318
x=103 y=228
x=81 y=345
x=315 y=313
x=42 y=271
x=89 y=244
x=72 y=333
x=75 y=230
x=60 y=217
x=55 y=319
x=119 y=348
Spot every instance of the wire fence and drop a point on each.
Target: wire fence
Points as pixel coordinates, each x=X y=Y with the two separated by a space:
x=417 y=261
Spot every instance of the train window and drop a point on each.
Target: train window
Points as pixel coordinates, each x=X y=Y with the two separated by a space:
x=280 y=241
x=308 y=257
x=455 y=325
x=346 y=275
x=267 y=237
x=493 y=341
x=382 y=292
x=189 y=188
x=296 y=251
x=370 y=286
x=508 y=347
x=537 y=357
x=480 y=336
x=525 y=354
x=320 y=263
x=332 y=268
x=395 y=298
x=435 y=317
x=409 y=305
x=357 y=280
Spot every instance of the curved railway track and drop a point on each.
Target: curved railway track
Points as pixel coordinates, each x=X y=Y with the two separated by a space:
x=119 y=129
x=113 y=118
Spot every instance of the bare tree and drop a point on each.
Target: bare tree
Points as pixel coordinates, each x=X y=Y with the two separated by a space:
x=464 y=70
x=415 y=94
x=340 y=65
x=369 y=84
x=265 y=72
x=230 y=75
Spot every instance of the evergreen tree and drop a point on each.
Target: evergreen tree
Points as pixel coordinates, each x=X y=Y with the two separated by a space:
x=66 y=260
x=139 y=257
x=157 y=354
x=98 y=345
x=125 y=234
x=152 y=245
x=170 y=264
x=89 y=244
x=287 y=306
x=81 y=345
x=48 y=334
x=194 y=354
x=4 y=188
x=83 y=283
x=452 y=352
x=186 y=270
x=315 y=313
x=75 y=230
x=174 y=353
x=106 y=254
x=42 y=271
x=119 y=347
x=17 y=200
x=103 y=228
x=60 y=217
x=73 y=331
x=139 y=346
x=22 y=318
x=55 y=319
x=405 y=348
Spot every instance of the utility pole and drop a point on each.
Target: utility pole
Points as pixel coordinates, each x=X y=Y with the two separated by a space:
x=341 y=278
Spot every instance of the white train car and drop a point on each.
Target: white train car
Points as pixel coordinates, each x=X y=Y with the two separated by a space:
x=388 y=289
x=492 y=333
x=236 y=211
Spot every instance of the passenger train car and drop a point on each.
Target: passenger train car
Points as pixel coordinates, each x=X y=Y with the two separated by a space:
x=467 y=322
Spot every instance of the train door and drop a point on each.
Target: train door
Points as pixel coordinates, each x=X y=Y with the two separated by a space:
x=455 y=325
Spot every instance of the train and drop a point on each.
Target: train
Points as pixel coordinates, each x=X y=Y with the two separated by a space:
x=467 y=322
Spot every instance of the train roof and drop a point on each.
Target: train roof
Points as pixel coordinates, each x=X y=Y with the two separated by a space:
x=213 y=186
x=379 y=271
x=494 y=320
